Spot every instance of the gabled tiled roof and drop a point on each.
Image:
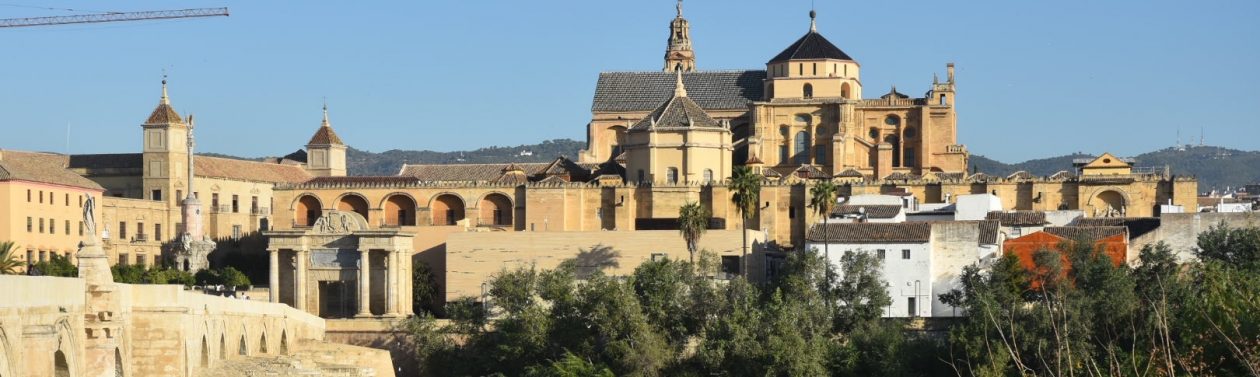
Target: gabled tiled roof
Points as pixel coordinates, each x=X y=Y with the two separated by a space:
x=915 y=232
x=678 y=112
x=1088 y=233
x=215 y=167
x=893 y=93
x=980 y=177
x=1018 y=218
x=325 y=136
x=1137 y=226
x=351 y=180
x=900 y=176
x=811 y=46
x=1020 y=175
x=41 y=167
x=871 y=211
x=810 y=171
x=850 y=173
x=645 y=91
x=989 y=232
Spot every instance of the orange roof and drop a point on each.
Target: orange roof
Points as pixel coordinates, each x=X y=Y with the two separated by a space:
x=164 y=114
x=41 y=167
x=325 y=136
x=216 y=167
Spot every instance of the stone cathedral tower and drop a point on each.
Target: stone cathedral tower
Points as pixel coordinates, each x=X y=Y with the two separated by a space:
x=679 y=56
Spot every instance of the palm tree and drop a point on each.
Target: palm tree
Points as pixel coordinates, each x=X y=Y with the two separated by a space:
x=822 y=199
x=8 y=260
x=746 y=186
x=693 y=220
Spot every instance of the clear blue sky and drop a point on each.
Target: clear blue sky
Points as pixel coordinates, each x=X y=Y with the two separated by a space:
x=1035 y=78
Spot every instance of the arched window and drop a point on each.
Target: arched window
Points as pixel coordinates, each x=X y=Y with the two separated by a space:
x=805 y=119
x=844 y=91
x=671 y=175
x=892 y=120
x=802 y=147
x=809 y=91
x=896 y=149
x=943 y=100
x=446 y=210
x=708 y=175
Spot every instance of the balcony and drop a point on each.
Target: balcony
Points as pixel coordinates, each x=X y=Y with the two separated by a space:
x=140 y=238
x=260 y=211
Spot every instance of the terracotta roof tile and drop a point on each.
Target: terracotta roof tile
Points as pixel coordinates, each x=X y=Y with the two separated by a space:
x=107 y=161
x=41 y=167
x=850 y=173
x=811 y=46
x=1138 y=226
x=325 y=136
x=216 y=167
x=988 y=232
x=491 y=172
x=1018 y=218
x=871 y=211
x=678 y=112
x=915 y=232
x=1089 y=233
x=164 y=113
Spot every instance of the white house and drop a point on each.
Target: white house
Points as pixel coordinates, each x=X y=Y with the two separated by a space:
x=921 y=260
x=976 y=206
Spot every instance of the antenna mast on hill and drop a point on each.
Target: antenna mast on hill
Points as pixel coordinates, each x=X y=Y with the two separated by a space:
x=113 y=17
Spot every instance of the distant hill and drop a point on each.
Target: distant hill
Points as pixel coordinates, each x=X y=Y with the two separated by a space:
x=1214 y=166
x=389 y=162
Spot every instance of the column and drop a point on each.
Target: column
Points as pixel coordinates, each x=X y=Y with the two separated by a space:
x=299 y=289
x=365 y=284
x=392 y=293
x=273 y=275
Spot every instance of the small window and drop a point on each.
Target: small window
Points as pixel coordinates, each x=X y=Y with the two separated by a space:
x=874 y=133
x=809 y=91
x=236 y=205
x=157 y=232
x=815 y=69
x=179 y=195
x=708 y=175
x=640 y=175
x=43 y=256
x=236 y=232
x=28 y=196
x=905 y=253
x=730 y=265
x=214 y=202
x=80 y=228
x=122 y=230
x=157 y=194
x=792 y=212
x=52 y=226
x=30 y=256
x=41 y=197
x=30 y=224
x=41 y=225
x=67 y=200
x=910 y=307
x=122 y=259
x=880 y=254
x=671 y=175
x=892 y=120
x=67 y=227
x=141 y=260
x=943 y=100
x=800 y=69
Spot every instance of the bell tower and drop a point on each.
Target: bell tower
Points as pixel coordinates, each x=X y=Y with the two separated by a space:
x=679 y=56
x=165 y=151
x=325 y=153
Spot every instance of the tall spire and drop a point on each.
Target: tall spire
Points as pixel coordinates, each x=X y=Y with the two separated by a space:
x=678 y=54
x=165 y=100
x=679 y=89
x=325 y=123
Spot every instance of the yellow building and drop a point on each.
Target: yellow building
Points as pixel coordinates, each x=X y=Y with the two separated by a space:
x=42 y=204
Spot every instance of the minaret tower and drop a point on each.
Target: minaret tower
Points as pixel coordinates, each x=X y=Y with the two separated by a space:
x=679 y=56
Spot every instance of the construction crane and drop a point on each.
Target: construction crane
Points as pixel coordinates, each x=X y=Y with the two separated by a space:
x=113 y=17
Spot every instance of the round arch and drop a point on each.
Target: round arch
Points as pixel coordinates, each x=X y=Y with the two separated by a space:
x=446 y=208
x=1108 y=202
x=495 y=208
x=353 y=202
x=399 y=208
x=306 y=209
x=845 y=91
x=63 y=356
